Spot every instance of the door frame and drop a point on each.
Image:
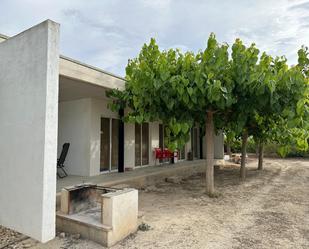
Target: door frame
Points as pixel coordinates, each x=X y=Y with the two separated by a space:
x=141 y=144
x=109 y=170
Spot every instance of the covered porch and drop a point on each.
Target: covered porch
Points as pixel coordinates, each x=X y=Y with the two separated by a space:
x=94 y=132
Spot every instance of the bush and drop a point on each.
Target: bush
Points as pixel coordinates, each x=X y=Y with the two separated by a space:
x=236 y=145
x=270 y=149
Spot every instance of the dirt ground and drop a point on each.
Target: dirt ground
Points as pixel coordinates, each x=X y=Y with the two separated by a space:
x=269 y=210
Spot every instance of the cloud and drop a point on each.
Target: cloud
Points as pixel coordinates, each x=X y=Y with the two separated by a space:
x=106 y=33
x=301 y=6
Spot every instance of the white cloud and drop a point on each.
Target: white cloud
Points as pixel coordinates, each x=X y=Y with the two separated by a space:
x=105 y=33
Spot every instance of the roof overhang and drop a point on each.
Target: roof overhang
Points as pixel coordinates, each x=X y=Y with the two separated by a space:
x=82 y=72
x=79 y=71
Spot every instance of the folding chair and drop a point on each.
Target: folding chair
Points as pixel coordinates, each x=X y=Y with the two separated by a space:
x=61 y=159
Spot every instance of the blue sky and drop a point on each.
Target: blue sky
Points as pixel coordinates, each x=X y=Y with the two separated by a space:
x=106 y=33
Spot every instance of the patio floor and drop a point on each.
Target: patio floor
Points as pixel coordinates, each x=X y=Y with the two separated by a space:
x=136 y=177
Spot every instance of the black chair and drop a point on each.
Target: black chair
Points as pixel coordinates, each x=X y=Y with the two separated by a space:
x=61 y=159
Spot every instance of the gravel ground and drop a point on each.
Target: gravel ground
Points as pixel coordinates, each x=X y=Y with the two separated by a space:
x=269 y=210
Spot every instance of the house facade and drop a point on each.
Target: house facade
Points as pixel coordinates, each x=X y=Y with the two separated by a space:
x=47 y=100
x=96 y=134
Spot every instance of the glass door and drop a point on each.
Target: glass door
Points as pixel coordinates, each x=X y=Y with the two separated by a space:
x=109 y=144
x=195 y=143
x=105 y=144
x=182 y=153
x=145 y=144
x=115 y=142
x=141 y=144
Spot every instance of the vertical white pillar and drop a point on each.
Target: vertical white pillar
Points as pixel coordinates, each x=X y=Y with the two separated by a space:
x=29 y=71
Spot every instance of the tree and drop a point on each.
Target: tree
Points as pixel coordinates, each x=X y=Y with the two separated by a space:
x=179 y=90
x=244 y=93
x=248 y=92
x=292 y=126
x=285 y=117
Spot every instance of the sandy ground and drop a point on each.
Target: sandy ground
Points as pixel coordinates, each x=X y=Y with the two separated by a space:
x=269 y=210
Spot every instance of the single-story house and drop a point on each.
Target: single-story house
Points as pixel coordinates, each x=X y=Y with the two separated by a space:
x=46 y=100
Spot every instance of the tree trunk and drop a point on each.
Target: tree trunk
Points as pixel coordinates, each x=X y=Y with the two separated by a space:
x=261 y=156
x=209 y=154
x=243 y=155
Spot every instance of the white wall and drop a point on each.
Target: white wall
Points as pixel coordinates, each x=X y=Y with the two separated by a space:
x=29 y=64
x=218 y=146
x=74 y=128
x=80 y=125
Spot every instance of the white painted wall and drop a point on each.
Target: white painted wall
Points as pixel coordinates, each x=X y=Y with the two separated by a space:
x=74 y=128
x=80 y=125
x=218 y=146
x=29 y=64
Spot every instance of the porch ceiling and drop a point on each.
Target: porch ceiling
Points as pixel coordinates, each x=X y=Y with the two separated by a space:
x=70 y=89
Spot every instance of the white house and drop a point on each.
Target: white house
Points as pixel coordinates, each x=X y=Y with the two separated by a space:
x=47 y=100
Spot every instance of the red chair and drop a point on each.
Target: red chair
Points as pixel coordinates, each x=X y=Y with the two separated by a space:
x=158 y=153
x=164 y=154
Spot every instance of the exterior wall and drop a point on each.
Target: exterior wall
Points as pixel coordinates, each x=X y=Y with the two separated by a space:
x=74 y=128
x=219 y=146
x=29 y=67
x=80 y=125
x=3 y=38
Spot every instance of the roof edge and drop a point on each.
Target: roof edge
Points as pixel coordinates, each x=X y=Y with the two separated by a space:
x=91 y=67
x=4 y=36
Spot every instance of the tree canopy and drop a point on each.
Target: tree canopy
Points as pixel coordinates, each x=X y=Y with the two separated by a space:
x=242 y=93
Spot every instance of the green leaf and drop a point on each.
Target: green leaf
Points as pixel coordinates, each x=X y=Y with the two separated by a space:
x=139 y=119
x=190 y=90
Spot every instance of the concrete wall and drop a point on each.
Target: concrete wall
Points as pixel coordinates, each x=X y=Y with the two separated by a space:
x=218 y=146
x=3 y=38
x=75 y=128
x=120 y=211
x=28 y=130
x=80 y=125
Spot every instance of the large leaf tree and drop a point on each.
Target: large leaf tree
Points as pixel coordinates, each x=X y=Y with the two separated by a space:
x=179 y=89
x=272 y=99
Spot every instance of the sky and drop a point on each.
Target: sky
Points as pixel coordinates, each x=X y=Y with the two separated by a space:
x=106 y=33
